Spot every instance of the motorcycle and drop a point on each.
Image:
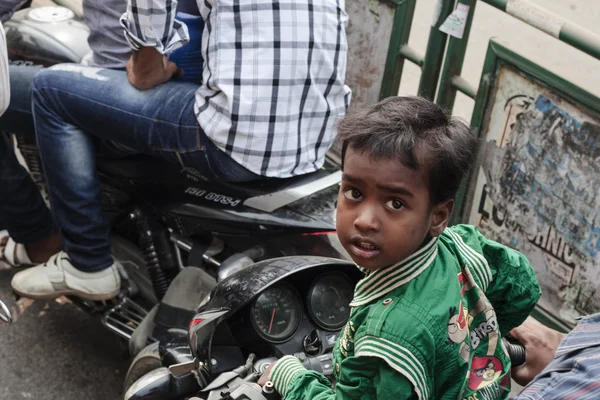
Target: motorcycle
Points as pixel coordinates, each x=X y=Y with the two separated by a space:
x=287 y=306
x=166 y=220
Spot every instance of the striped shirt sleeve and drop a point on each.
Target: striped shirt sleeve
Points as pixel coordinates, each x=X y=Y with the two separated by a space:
x=283 y=372
x=152 y=23
x=398 y=358
x=574 y=372
x=4 y=81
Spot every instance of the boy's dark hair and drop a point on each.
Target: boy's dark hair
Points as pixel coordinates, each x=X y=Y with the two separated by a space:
x=419 y=134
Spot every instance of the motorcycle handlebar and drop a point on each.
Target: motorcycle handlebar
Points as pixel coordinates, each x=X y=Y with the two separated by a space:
x=516 y=352
x=323 y=364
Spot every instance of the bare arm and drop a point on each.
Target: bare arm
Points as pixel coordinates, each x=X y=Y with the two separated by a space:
x=147 y=68
x=152 y=30
x=540 y=344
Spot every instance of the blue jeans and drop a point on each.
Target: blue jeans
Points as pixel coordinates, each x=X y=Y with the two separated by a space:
x=72 y=105
x=22 y=209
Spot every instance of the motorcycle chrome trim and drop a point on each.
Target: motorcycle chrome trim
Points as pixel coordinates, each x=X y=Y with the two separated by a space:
x=50 y=14
x=182 y=243
x=183 y=368
x=124 y=318
x=178 y=258
x=269 y=387
x=5 y=314
x=273 y=201
x=146 y=381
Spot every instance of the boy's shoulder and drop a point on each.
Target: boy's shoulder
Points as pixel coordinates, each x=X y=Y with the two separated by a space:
x=482 y=254
x=475 y=251
x=463 y=235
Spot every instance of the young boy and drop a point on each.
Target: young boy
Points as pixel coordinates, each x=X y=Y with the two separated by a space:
x=428 y=317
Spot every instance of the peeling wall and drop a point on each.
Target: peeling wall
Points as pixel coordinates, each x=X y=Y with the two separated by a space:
x=538 y=190
x=369 y=30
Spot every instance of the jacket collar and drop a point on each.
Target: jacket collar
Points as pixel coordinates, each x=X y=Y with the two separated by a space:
x=379 y=283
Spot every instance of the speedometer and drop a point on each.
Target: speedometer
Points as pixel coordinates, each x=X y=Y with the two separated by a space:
x=329 y=300
x=277 y=312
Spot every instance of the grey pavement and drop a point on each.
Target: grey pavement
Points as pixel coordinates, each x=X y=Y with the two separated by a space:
x=54 y=350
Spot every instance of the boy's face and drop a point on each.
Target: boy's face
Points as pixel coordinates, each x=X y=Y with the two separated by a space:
x=384 y=212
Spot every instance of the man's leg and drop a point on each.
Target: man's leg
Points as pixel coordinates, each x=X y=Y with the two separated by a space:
x=18 y=118
x=72 y=104
x=22 y=210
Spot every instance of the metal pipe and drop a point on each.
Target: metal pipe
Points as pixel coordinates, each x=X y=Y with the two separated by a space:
x=581 y=38
x=180 y=241
x=552 y=24
x=187 y=244
x=411 y=55
x=463 y=86
x=434 y=55
x=113 y=325
x=455 y=57
x=394 y=63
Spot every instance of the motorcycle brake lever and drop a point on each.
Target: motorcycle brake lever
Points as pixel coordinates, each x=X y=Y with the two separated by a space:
x=253 y=377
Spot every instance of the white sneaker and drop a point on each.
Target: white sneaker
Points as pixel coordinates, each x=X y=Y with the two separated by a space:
x=58 y=277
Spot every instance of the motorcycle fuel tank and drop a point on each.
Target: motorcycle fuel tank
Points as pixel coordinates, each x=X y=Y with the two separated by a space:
x=46 y=36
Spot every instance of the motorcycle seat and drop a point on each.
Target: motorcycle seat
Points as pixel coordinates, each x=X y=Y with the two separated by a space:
x=153 y=169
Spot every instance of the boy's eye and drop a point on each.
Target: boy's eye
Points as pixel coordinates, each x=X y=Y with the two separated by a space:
x=352 y=194
x=394 y=204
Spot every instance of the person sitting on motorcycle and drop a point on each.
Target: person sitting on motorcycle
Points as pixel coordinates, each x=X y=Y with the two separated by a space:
x=30 y=236
x=428 y=317
x=273 y=89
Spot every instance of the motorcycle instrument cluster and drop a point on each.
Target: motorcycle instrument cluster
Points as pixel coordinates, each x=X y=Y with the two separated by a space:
x=277 y=312
x=329 y=300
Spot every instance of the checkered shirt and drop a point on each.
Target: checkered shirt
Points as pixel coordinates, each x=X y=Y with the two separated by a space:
x=273 y=80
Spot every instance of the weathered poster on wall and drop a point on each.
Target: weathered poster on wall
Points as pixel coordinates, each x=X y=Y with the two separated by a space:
x=538 y=189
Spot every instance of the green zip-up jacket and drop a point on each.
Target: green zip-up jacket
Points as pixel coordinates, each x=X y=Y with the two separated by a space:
x=429 y=327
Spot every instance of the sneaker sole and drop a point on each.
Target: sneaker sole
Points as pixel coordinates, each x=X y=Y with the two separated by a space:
x=83 y=295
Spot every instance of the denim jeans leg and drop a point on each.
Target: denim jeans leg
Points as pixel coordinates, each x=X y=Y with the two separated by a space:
x=22 y=209
x=18 y=119
x=214 y=161
x=72 y=105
